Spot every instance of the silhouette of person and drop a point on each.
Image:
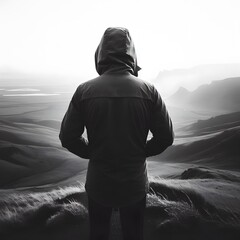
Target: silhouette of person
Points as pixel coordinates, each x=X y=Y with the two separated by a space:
x=117 y=109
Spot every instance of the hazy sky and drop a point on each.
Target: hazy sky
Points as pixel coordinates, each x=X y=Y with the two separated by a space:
x=60 y=36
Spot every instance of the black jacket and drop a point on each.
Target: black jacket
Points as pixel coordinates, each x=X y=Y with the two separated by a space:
x=118 y=110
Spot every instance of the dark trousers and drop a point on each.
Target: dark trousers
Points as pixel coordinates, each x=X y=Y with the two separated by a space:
x=131 y=217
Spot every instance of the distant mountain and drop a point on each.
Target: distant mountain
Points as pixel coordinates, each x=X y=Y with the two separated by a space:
x=182 y=93
x=168 y=81
x=222 y=95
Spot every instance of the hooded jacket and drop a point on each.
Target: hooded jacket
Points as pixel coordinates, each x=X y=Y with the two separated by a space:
x=117 y=109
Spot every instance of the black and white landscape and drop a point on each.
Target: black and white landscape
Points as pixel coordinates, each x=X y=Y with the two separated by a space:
x=195 y=184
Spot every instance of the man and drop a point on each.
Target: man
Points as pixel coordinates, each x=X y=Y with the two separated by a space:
x=118 y=110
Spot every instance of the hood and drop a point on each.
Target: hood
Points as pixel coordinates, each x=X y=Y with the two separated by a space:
x=116 y=52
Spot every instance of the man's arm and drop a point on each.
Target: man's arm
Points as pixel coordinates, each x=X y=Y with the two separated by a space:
x=160 y=127
x=72 y=129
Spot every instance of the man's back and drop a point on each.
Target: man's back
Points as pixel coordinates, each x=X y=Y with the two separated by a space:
x=118 y=110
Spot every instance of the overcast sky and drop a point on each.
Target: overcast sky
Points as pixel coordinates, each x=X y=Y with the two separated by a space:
x=60 y=36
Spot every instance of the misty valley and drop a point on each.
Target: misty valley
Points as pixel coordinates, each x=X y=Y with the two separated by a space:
x=195 y=184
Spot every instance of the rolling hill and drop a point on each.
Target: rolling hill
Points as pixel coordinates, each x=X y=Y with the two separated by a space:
x=214 y=142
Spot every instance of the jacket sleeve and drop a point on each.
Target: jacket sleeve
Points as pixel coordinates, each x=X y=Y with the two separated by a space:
x=160 y=127
x=72 y=128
